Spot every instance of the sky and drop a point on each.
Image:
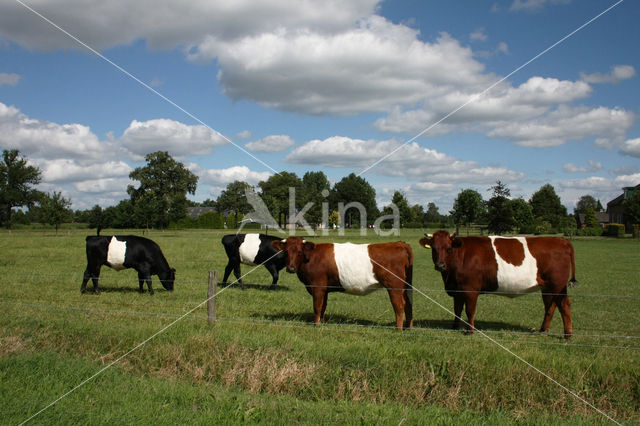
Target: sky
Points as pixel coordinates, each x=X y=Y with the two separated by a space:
x=426 y=97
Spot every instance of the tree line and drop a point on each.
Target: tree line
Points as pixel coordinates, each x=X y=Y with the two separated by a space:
x=160 y=200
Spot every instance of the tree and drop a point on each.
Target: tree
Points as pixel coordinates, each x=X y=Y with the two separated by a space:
x=355 y=189
x=234 y=198
x=590 y=218
x=275 y=194
x=166 y=181
x=584 y=203
x=632 y=207
x=547 y=207
x=55 y=209
x=468 y=207
x=401 y=202
x=16 y=184
x=432 y=215
x=522 y=216
x=499 y=210
x=316 y=187
x=96 y=218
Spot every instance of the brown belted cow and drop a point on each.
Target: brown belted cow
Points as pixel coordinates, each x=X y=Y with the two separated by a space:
x=507 y=266
x=354 y=269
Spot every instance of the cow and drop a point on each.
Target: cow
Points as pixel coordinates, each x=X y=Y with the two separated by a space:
x=127 y=251
x=355 y=269
x=252 y=249
x=507 y=266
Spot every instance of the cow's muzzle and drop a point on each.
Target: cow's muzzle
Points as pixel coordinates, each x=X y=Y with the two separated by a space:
x=291 y=269
x=441 y=267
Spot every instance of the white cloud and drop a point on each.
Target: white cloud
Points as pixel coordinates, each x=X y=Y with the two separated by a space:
x=178 y=139
x=9 y=79
x=565 y=123
x=67 y=170
x=43 y=139
x=534 y=5
x=369 y=68
x=221 y=177
x=410 y=161
x=594 y=166
x=478 y=35
x=631 y=147
x=272 y=143
x=168 y=24
x=617 y=74
x=245 y=134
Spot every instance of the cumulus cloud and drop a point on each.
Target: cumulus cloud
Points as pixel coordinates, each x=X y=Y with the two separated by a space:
x=221 y=177
x=617 y=74
x=534 y=5
x=409 y=161
x=631 y=147
x=566 y=123
x=179 y=139
x=168 y=24
x=9 y=79
x=272 y=143
x=45 y=139
x=478 y=35
x=369 y=68
x=594 y=166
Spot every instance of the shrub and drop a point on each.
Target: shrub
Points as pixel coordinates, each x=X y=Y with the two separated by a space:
x=615 y=230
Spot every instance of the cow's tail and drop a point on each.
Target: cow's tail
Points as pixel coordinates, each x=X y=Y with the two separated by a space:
x=573 y=280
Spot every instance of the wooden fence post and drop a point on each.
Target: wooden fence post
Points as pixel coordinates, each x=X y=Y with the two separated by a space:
x=211 y=296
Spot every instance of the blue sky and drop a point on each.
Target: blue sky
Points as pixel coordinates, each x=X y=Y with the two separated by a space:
x=266 y=86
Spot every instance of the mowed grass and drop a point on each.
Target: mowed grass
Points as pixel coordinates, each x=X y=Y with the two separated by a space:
x=263 y=362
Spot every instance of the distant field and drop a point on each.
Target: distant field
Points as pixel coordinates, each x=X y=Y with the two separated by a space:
x=264 y=363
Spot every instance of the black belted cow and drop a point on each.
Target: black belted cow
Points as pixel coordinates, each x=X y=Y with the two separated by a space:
x=127 y=251
x=252 y=249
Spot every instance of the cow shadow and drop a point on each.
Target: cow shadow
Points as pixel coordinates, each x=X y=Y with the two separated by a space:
x=254 y=286
x=308 y=319
x=338 y=319
x=124 y=289
x=480 y=325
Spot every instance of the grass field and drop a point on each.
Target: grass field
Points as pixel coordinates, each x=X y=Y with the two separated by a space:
x=262 y=362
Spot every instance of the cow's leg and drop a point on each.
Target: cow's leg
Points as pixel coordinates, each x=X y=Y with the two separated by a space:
x=274 y=275
x=549 y=301
x=227 y=272
x=458 y=304
x=323 y=318
x=408 y=307
x=470 y=309
x=238 y=274
x=144 y=275
x=91 y=273
x=319 y=304
x=397 y=301
x=564 y=306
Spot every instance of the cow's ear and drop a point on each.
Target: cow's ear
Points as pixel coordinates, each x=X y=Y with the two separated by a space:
x=307 y=248
x=279 y=245
x=426 y=242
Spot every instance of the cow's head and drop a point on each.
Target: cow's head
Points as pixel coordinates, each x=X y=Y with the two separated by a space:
x=167 y=278
x=442 y=245
x=297 y=251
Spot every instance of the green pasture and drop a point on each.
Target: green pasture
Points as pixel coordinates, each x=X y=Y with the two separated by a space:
x=263 y=362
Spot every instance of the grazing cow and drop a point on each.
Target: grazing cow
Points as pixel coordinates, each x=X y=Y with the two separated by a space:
x=252 y=249
x=354 y=269
x=505 y=266
x=127 y=251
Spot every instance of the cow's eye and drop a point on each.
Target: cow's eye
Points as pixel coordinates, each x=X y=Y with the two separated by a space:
x=449 y=250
